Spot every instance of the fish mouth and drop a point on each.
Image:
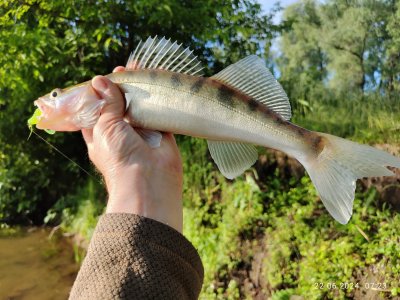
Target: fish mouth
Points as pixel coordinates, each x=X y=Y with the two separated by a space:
x=43 y=106
x=47 y=109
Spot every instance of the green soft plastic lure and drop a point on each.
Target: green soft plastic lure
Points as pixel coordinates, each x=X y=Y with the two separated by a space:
x=34 y=119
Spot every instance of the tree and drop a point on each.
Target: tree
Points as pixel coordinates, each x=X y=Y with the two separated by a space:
x=391 y=69
x=48 y=44
x=303 y=63
x=345 y=45
x=353 y=33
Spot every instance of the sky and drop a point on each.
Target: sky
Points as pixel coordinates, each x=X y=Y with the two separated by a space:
x=268 y=4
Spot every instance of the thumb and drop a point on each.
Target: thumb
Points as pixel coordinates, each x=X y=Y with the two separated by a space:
x=114 y=109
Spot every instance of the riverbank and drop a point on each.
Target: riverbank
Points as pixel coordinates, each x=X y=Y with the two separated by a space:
x=35 y=264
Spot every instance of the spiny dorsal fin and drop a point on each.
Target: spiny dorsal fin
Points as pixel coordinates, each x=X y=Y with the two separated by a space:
x=157 y=53
x=250 y=76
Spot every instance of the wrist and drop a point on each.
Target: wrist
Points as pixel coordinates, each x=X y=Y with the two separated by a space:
x=127 y=190
x=146 y=193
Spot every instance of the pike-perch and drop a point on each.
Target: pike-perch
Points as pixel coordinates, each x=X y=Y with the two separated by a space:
x=241 y=106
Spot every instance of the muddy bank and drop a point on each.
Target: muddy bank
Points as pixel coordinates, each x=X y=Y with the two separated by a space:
x=34 y=266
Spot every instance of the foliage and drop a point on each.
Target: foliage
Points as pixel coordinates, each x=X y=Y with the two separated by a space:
x=304 y=246
x=339 y=64
x=370 y=119
x=349 y=46
x=47 y=44
x=78 y=214
x=217 y=229
x=228 y=222
x=327 y=254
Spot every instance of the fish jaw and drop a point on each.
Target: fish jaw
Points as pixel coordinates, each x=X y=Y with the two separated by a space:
x=73 y=109
x=51 y=119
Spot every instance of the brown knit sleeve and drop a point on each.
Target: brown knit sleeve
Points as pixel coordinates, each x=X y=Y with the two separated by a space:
x=133 y=257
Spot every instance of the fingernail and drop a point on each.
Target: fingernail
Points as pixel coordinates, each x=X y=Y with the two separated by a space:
x=100 y=83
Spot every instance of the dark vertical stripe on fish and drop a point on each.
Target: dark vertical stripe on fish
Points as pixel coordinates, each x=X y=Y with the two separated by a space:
x=318 y=143
x=176 y=81
x=153 y=74
x=198 y=84
x=225 y=95
x=277 y=118
x=252 y=104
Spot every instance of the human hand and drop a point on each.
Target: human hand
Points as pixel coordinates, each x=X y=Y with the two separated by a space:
x=139 y=179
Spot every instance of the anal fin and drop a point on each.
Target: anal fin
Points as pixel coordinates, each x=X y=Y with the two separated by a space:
x=232 y=158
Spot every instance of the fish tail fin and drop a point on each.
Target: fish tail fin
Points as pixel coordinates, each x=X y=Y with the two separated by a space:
x=336 y=168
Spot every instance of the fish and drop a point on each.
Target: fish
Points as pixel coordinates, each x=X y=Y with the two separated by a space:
x=235 y=110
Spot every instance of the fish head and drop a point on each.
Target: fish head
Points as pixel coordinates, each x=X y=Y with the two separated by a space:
x=69 y=109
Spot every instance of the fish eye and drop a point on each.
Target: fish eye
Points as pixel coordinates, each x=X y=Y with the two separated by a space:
x=54 y=93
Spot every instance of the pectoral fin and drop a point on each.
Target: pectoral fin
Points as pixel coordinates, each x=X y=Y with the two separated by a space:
x=232 y=158
x=152 y=137
x=132 y=93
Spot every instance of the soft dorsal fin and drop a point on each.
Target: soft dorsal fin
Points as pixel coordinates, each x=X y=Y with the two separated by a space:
x=157 y=53
x=250 y=76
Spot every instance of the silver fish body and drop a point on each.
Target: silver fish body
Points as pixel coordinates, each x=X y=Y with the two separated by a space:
x=205 y=108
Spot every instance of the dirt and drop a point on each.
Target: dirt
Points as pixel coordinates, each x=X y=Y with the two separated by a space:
x=36 y=264
x=388 y=187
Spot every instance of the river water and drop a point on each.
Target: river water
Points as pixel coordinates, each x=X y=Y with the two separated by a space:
x=34 y=266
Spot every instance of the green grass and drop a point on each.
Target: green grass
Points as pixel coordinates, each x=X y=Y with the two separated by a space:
x=217 y=226
x=368 y=119
x=304 y=246
x=80 y=213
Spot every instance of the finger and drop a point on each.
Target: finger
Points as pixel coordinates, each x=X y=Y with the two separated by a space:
x=119 y=69
x=114 y=109
x=87 y=136
x=169 y=137
x=168 y=141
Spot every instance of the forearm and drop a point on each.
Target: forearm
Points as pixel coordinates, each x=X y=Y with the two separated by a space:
x=132 y=256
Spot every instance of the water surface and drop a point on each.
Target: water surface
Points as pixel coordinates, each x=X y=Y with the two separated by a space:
x=34 y=267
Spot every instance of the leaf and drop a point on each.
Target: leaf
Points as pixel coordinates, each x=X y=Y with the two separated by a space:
x=38 y=49
x=107 y=43
x=168 y=9
x=304 y=102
